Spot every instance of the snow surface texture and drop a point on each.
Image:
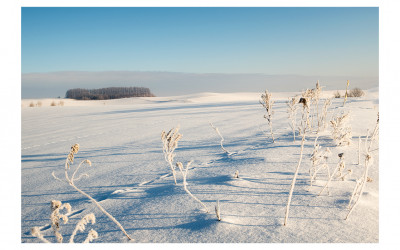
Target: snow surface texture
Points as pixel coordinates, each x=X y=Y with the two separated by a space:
x=133 y=182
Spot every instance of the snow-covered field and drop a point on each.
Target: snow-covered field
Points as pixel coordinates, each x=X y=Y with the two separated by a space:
x=132 y=181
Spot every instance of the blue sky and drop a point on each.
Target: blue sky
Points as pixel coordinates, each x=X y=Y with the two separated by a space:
x=303 y=41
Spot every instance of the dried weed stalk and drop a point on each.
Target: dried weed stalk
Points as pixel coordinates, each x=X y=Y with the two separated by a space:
x=341 y=130
x=302 y=130
x=184 y=172
x=56 y=217
x=71 y=181
x=267 y=103
x=170 y=143
x=222 y=139
x=292 y=111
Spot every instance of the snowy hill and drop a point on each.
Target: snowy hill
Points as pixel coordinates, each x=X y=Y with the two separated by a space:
x=130 y=178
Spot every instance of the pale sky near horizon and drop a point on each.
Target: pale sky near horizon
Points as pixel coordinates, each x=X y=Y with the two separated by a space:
x=306 y=41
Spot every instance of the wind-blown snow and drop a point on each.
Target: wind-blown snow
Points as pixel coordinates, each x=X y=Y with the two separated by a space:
x=132 y=181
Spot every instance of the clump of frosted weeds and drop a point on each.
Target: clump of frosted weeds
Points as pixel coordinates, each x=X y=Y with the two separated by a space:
x=56 y=216
x=341 y=130
x=267 y=103
x=170 y=143
x=368 y=160
x=319 y=159
x=71 y=181
x=184 y=172
x=338 y=169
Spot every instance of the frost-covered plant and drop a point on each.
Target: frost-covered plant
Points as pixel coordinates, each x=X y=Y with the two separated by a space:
x=35 y=231
x=339 y=167
x=324 y=114
x=292 y=111
x=222 y=139
x=319 y=159
x=346 y=94
x=374 y=134
x=315 y=100
x=56 y=216
x=360 y=183
x=71 y=181
x=341 y=130
x=267 y=103
x=305 y=99
x=359 y=187
x=81 y=225
x=184 y=172
x=170 y=143
x=302 y=130
x=218 y=211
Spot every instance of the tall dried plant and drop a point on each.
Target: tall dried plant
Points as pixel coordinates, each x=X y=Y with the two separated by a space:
x=316 y=93
x=267 y=103
x=170 y=143
x=368 y=159
x=302 y=130
x=341 y=130
x=339 y=166
x=346 y=94
x=322 y=119
x=292 y=111
x=56 y=216
x=184 y=172
x=71 y=181
x=319 y=159
x=222 y=140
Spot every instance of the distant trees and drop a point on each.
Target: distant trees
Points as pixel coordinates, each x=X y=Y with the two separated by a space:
x=108 y=93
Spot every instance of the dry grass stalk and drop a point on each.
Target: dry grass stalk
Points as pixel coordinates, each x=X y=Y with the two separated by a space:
x=71 y=181
x=292 y=111
x=35 y=231
x=303 y=130
x=56 y=217
x=340 y=165
x=322 y=119
x=346 y=94
x=341 y=132
x=315 y=100
x=218 y=211
x=319 y=160
x=170 y=143
x=184 y=172
x=81 y=225
x=222 y=139
x=359 y=187
x=267 y=103
x=360 y=183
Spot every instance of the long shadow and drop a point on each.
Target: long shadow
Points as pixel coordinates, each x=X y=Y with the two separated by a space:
x=180 y=107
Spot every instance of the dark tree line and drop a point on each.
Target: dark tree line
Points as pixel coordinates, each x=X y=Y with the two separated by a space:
x=108 y=93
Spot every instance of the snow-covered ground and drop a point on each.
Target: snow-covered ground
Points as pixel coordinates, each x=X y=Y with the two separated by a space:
x=132 y=181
